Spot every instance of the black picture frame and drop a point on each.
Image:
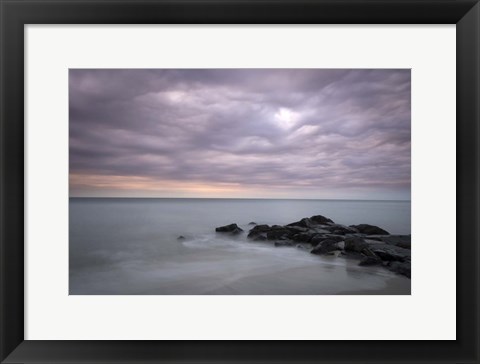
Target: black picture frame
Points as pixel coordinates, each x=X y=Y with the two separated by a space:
x=15 y=14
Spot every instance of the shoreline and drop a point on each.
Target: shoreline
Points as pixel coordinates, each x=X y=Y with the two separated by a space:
x=326 y=285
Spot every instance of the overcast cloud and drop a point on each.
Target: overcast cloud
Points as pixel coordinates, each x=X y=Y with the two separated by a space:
x=240 y=133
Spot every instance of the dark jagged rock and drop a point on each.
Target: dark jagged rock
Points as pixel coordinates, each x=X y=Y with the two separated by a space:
x=325 y=246
x=393 y=257
x=297 y=230
x=317 y=239
x=231 y=229
x=373 y=238
x=341 y=229
x=404 y=245
x=337 y=238
x=369 y=253
x=403 y=241
x=370 y=244
x=322 y=220
x=403 y=268
x=181 y=237
x=252 y=223
x=369 y=229
x=370 y=261
x=312 y=222
x=303 y=237
x=355 y=244
x=283 y=243
x=260 y=228
x=265 y=232
x=320 y=230
x=304 y=223
x=278 y=232
x=390 y=252
x=259 y=232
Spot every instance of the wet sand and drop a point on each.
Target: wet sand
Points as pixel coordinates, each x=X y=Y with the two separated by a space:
x=331 y=276
x=394 y=286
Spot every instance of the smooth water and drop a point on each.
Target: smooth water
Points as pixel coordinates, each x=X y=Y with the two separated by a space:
x=130 y=246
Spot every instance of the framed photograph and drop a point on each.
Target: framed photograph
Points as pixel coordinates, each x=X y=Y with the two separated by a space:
x=211 y=171
x=239 y=181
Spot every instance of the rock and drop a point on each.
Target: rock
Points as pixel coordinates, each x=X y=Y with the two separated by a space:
x=390 y=253
x=296 y=229
x=403 y=241
x=265 y=232
x=319 y=230
x=259 y=232
x=283 y=243
x=260 y=228
x=319 y=219
x=369 y=253
x=325 y=246
x=304 y=223
x=355 y=235
x=370 y=229
x=337 y=238
x=303 y=237
x=370 y=244
x=403 y=268
x=341 y=229
x=317 y=238
x=278 y=232
x=232 y=229
x=370 y=261
x=355 y=244
x=374 y=237
x=404 y=245
x=370 y=258
x=371 y=241
x=311 y=222
x=181 y=237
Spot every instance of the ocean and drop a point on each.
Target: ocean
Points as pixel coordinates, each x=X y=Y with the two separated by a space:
x=129 y=246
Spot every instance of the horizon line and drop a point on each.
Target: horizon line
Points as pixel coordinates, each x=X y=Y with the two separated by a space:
x=236 y=198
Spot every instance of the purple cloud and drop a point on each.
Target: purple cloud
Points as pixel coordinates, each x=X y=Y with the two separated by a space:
x=307 y=133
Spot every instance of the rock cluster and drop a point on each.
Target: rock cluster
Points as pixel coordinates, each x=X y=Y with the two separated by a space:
x=369 y=244
x=232 y=229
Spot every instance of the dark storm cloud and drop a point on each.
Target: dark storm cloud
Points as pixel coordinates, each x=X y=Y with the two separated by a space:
x=321 y=131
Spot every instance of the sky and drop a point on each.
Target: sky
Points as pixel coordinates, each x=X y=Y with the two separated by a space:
x=240 y=133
